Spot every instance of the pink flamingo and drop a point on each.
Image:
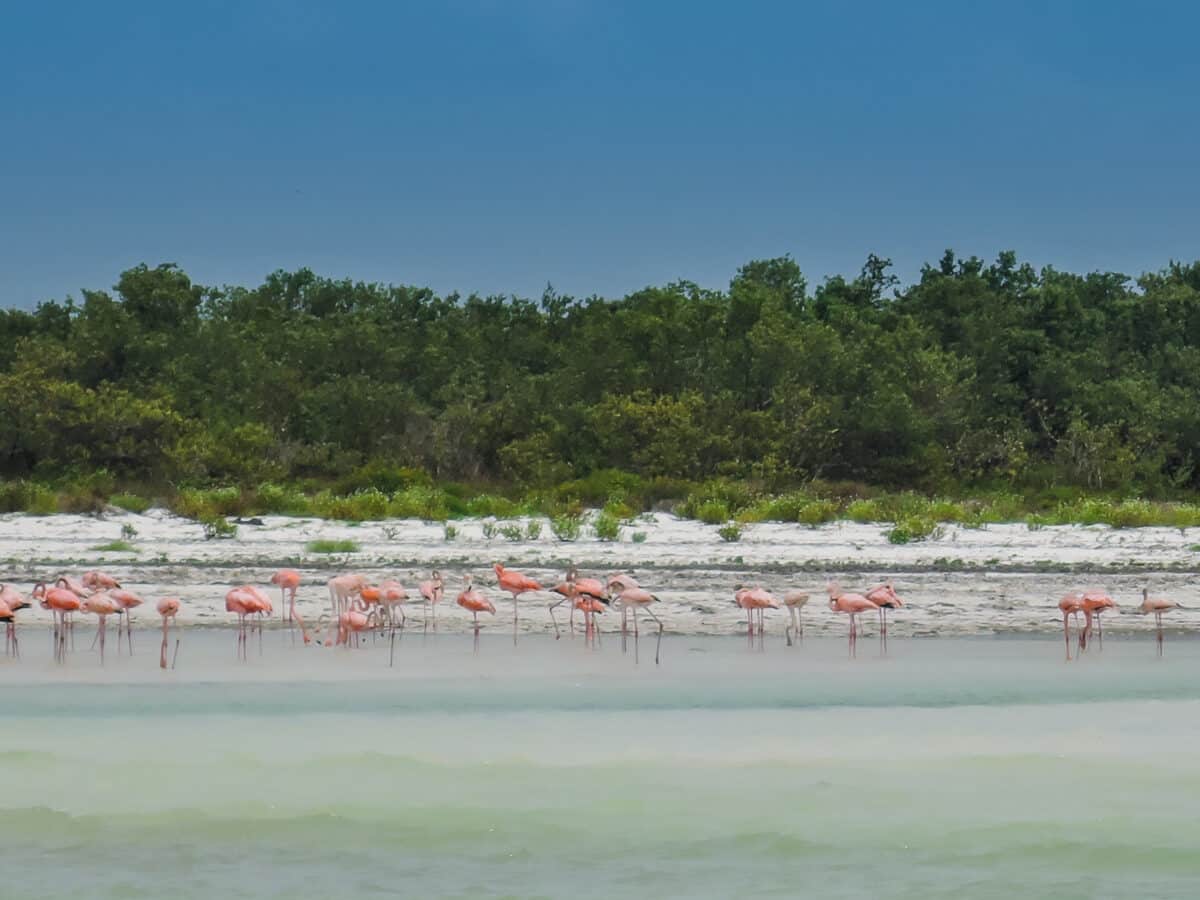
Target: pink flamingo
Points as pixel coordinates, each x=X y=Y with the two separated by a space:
x=9 y=618
x=288 y=582
x=432 y=590
x=884 y=597
x=127 y=601
x=852 y=605
x=99 y=581
x=355 y=620
x=242 y=603
x=11 y=603
x=1070 y=605
x=474 y=602
x=341 y=589
x=80 y=591
x=1158 y=606
x=585 y=594
x=636 y=598
x=102 y=606
x=760 y=601
x=393 y=596
x=62 y=603
x=1094 y=603
x=795 y=600
x=168 y=608
x=513 y=582
x=261 y=607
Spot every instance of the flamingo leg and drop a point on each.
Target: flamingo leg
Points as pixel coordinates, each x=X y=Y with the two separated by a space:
x=514 y=620
x=658 y=644
x=555 y=621
x=103 y=630
x=1158 y=622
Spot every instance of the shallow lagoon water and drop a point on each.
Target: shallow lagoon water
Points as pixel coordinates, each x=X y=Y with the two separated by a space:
x=979 y=767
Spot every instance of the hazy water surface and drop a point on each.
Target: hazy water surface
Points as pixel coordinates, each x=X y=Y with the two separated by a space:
x=952 y=768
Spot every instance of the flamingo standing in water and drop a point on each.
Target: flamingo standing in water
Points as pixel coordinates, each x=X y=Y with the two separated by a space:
x=852 y=605
x=884 y=596
x=474 y=602
x=513 y=582
x=1158 y=606
x=355 y=620
x=432 y=590
x=761 y=600
x=11 y=603
x=127 y=601
x=341 y=589
x=80 y=591
x=1094 y=603
x=1070 y=605
x=288 y=582
x=393 y=596
x=62 y=603
x=795 y=600
x=102 y=606
x=636 y=598
x=168 y=608
x=584 y=594
x=741 y=599
x=242 y=603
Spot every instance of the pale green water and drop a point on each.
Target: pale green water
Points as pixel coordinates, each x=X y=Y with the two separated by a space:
x=970 y=768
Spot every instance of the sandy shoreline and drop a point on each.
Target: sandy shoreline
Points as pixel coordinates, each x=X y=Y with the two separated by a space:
x=999 y=579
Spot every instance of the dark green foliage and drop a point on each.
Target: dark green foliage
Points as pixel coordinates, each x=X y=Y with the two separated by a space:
x=306 y=395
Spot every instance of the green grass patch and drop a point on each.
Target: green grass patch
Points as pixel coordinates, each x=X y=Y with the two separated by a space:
x=115 y=547
x=331 y=546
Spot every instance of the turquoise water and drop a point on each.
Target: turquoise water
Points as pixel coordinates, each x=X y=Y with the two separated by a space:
x=952 y=768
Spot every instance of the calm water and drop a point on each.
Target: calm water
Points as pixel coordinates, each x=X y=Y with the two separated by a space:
x=952 y=768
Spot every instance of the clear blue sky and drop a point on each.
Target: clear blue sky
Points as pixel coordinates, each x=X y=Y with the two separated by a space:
x=496 y=145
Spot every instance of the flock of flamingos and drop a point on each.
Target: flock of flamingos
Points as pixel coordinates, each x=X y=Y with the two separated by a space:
x=356 y=607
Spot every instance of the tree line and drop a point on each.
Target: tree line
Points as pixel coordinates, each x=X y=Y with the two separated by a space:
x=978 y=375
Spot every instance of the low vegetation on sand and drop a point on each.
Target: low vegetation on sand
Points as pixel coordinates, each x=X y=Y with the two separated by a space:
x=617 y=499
x=330 y=546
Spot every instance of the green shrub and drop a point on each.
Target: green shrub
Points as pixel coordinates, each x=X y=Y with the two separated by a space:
x=712 y=512
x=639 y=537
x=492 y=505
x=511 y=532
x=421 y=502
x=533 y=530
x=129 y=502
x=217 y=528
x=449 y=532
x=914 y=528
x=489 y=530
x=331 y=546
x=817 y=512
x=730 y=532
x=280 y=500
x=567 y=527
x=864 y=511
x=607 y=527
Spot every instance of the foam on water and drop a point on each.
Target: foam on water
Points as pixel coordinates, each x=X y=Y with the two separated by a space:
x=979 y=768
